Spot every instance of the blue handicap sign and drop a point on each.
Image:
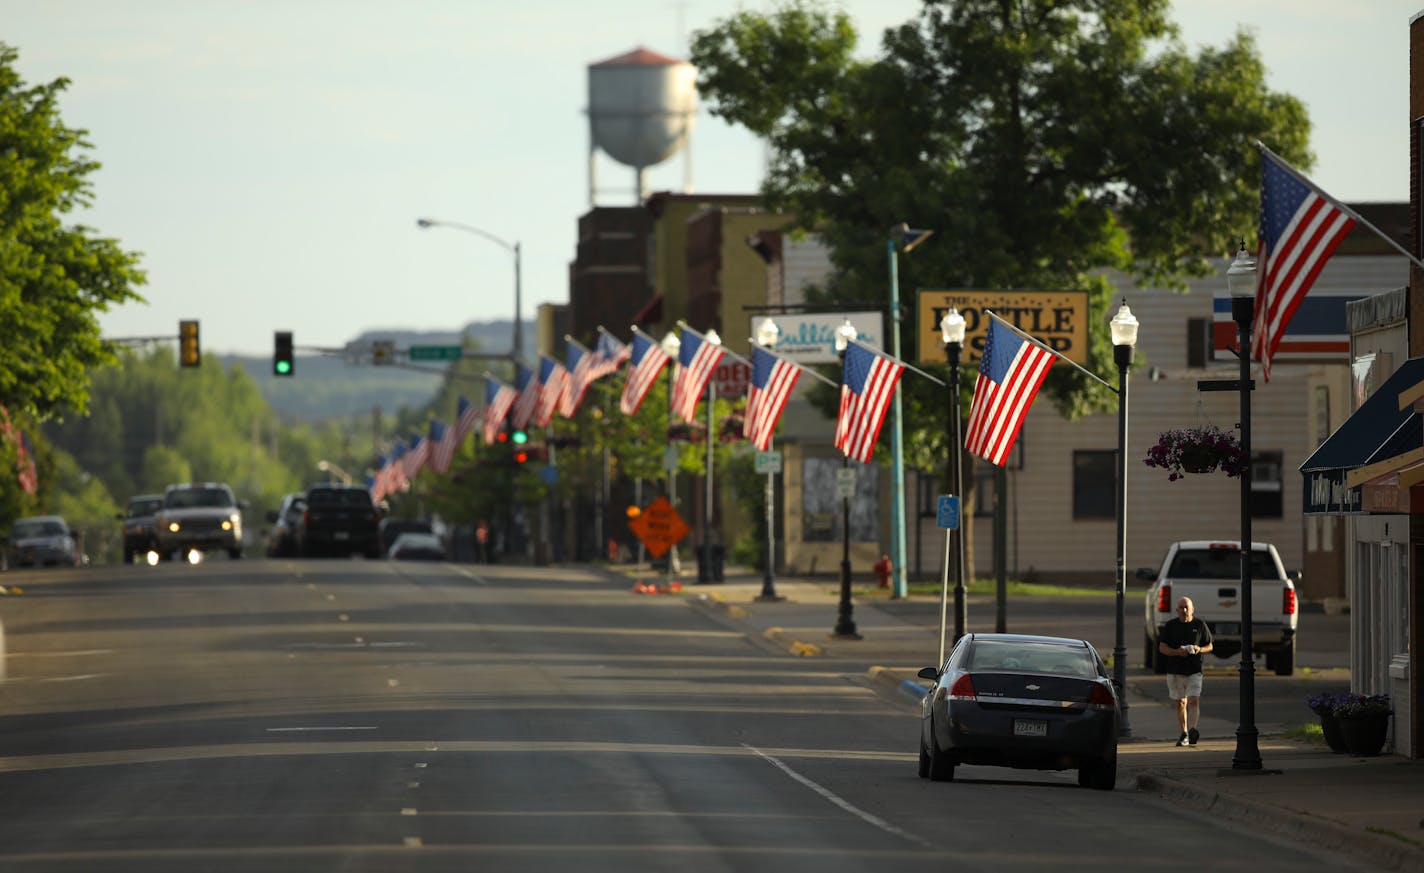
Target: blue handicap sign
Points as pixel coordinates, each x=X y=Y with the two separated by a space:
x=947 y=515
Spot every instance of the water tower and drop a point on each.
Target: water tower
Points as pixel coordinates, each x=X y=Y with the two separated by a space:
x=640 y=110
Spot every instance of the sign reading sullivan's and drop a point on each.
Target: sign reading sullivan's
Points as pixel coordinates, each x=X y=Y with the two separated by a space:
x=1058 y=319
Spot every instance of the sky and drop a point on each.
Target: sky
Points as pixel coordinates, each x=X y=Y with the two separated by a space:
x=269 y=158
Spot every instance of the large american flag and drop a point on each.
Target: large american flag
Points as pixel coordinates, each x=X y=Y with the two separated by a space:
x=772 y=380
x=554 y=381
x=416 y=455
x=647 y=361
x=1300 y=228
x=868 y=383
x=579 y=363
x=698 y=358
x=442 y=446
x=608 y=355
x=466 y=416
x=527 y=383
x=1010 y=373
x=499 y=400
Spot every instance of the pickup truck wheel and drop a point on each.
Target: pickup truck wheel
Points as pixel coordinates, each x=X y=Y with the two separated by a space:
x=1285 y=660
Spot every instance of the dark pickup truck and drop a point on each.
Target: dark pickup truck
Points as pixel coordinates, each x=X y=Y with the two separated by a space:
x=340 y=520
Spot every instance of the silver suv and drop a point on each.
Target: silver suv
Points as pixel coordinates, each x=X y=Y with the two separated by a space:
x=198 y=516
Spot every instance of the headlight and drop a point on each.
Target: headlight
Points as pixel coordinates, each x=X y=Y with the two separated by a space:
x=173 y=527
x=227 y=524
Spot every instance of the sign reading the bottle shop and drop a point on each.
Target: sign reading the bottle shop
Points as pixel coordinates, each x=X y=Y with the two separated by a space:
x=1058 y=319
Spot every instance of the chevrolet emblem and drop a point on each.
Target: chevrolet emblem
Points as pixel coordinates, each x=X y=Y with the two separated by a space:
x=1031 y=687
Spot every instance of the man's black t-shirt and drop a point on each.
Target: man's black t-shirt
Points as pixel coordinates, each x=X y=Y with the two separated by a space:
x=1177 y=633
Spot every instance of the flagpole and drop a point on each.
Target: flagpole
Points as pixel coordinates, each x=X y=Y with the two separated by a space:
x=1055 y=354
x=802 y=367
x=1359 y=219
x=908 y=366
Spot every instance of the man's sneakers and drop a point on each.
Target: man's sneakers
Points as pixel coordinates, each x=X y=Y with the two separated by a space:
x=1182 y=740
x=1192 y=736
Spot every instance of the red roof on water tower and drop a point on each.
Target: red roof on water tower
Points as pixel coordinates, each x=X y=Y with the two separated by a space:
x=639 y=57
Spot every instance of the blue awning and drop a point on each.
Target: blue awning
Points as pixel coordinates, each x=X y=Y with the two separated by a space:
x=1378 y=430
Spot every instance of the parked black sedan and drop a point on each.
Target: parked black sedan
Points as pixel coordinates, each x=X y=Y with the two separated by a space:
x=1012 y=700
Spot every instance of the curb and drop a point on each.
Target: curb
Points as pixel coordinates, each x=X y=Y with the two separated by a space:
x=1320 y=833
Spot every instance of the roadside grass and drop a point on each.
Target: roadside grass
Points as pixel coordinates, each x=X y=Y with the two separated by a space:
x=1311 y=733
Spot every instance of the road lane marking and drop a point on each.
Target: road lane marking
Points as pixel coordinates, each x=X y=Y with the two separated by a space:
x=412 y=843
x=280 y=730
x=846 y=805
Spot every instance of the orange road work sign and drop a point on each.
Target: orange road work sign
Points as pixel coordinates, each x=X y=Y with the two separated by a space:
x=659 y=527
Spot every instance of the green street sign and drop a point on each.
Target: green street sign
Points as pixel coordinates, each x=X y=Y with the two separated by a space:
x=435 y=353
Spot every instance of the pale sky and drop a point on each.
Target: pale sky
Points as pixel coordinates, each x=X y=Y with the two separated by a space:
x=269 y=158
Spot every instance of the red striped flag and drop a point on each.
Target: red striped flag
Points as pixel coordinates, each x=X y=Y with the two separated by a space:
x=608 y=355
x=770 y=388
x=553 y=381
x=442 y=444
x=698 y=357
x=868 y=384
x=1010 y=373
x=499 y=400
x=416 y=455
x=528 y=385
x=648 y=360
x=579 y=362
x=1300 y=228
x=466 y=416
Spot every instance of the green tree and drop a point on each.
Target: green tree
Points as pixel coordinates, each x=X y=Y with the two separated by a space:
x=54 y=277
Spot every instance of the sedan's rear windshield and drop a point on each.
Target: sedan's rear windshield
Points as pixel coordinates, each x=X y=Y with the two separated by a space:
x=1036 y=657
x=339 y=497
x=1221 y=563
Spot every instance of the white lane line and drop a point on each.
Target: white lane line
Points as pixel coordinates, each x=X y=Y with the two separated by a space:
x=75 y=654
x=288 y=730
x=81 y=677
x=408 y=810
x=413 y=843
x=842 y=803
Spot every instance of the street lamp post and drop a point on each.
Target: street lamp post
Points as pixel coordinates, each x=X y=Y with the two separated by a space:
x=902 y=238
x=951 y=329
x=845 y=624
x=766 y=335
x=671 y=345
x=513 y=248
x=707 y=573
x=1124 y=338
x=1241 y=283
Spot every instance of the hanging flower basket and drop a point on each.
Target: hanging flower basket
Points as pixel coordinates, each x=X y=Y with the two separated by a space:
x=1185 y=450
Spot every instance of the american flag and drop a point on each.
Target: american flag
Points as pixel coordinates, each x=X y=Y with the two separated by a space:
x=416 y=455
x=1010 y=373
x=442 y=441
x=499 y=399
x=648 y=360
x=772 y=380
x=698 y=358
x=554 y=381
x=867 y=386
x=579 y=362
x=391 y=477
x=466 y=416
x=1300 y=228
x=608 y=355
x=527 y=384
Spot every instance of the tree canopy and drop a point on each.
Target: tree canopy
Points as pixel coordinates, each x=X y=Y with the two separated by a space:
x=54 y=277
x=1049 y=143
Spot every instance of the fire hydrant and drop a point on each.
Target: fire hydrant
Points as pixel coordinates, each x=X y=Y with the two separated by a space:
x=883 y=570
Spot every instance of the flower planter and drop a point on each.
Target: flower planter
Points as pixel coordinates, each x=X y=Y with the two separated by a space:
x=1196 y=460
x=1330 y=727
x=1364 y=736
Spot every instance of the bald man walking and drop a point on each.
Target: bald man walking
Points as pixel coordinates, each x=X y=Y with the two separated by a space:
x=1184 y=640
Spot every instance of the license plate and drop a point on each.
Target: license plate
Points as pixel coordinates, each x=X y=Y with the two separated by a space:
x=342 y=535
x=1228 y=627
x=1024 y=727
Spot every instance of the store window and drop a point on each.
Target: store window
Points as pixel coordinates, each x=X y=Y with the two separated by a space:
x=1094 y=485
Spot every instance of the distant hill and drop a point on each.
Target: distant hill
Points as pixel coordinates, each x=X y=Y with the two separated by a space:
x=326 y=386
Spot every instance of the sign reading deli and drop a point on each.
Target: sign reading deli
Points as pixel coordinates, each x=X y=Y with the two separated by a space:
x=1058 y=319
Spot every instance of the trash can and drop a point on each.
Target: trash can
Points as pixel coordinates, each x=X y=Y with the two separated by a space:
x=710 y=566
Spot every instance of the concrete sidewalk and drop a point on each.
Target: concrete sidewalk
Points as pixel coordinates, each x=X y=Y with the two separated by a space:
x=1369 y=808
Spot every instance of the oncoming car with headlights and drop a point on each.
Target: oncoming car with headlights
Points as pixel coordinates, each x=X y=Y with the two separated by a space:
x=199 y=516
x=1013 y=700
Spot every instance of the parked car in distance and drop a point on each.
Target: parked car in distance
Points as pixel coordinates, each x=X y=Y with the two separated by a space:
x=1209 y=572
x=393 y=527
x=1013 y=700
x=339 y=520
x=282 y=539
x=199 y=516
x=138 y=518
x=42 y=541
x=417 y=546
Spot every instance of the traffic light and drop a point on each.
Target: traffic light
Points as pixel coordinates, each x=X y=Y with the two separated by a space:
x=521 y=456
x=519 y=437
x=189 y=354
x=282 y=361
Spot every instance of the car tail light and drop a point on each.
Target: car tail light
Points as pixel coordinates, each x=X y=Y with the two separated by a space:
x=963 y=689
x=1288 y=601
x=1164 y=598
x=1100 y=698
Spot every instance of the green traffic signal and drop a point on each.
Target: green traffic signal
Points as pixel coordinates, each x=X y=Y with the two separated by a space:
x=519 y=437
x=282 y=362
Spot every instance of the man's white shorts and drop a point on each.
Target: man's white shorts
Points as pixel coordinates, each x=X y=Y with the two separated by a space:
x=1179 y=686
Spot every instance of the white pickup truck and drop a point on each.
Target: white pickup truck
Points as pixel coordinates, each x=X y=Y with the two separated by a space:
x=1209 y=572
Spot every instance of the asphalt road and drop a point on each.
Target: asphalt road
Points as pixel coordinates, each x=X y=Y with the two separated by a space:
x=351 y=715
